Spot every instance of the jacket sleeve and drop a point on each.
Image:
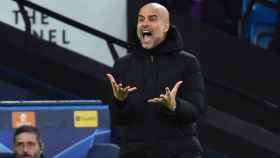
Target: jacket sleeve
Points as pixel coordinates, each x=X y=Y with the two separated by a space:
x=119 y=109
x=190 y=100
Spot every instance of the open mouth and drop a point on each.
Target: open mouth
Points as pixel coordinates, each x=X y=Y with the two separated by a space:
x=147 y=35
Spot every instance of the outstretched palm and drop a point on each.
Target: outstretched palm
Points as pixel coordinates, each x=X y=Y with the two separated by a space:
x=120 y=92
x=169 y=98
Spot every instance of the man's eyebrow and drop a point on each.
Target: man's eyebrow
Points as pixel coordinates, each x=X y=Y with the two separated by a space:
x=153 y=15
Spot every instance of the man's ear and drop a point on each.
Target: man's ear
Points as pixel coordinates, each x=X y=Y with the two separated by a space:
x=166 y=27
x=42 y=146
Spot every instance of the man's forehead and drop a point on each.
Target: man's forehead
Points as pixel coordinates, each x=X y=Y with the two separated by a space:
x=153 y=9
x=26 y=137
x=149 y=11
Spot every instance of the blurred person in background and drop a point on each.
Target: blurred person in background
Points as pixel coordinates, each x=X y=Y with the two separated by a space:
x=27 y=143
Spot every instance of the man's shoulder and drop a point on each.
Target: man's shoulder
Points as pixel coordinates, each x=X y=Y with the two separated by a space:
x=124 y=58
x=123 y=61
x=7 y=155
x=186 y=54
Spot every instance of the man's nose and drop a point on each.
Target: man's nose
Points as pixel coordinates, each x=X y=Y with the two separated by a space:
x=25 y=148
x=145 y=23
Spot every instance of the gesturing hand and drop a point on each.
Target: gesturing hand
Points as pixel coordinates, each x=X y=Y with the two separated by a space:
x=169 y=98
x=120 y=92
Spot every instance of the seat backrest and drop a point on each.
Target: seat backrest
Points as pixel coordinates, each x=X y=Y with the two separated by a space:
x=104 y=150
x=264 y=14
x=245 y=5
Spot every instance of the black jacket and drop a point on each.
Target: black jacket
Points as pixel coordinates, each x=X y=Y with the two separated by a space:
x=151 y=71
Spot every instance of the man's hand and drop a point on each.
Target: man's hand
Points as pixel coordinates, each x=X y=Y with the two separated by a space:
x=169 y=98
x=120 y=92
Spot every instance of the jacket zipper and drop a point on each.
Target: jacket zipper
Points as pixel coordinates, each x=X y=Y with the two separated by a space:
x=152 y=59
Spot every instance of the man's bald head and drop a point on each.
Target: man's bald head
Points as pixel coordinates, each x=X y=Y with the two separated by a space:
x=160 y=8
x=153 y=25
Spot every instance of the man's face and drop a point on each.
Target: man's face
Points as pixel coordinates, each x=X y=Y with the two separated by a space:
x=152 y=26
x=27 y=146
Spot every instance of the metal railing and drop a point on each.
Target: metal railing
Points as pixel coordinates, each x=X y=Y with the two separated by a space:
x=108 y=38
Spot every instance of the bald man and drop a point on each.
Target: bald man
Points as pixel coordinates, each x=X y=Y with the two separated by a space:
x=158 y=92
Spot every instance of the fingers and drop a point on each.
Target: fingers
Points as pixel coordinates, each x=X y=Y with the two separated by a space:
x=111 y=78
x=160 y=100
x=125 y=89
x=112 y=81
x=156 y=100
x=168 y=99
x=167 y=91
x=176 y=87
x=119 y=90
x=114 y=84
x=120 y=85
x=165 y=97
x=131 y=89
